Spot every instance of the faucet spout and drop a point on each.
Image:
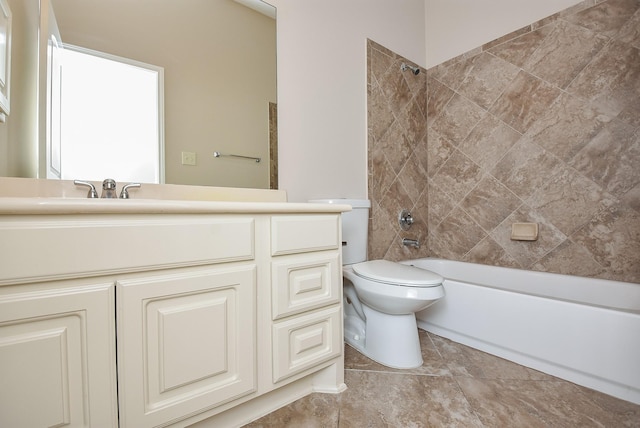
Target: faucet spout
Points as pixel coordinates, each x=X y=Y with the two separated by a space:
x=109 y=189
x=410 y=242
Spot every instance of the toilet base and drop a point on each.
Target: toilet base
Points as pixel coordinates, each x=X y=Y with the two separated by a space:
x=354 y=331
x=391 y=340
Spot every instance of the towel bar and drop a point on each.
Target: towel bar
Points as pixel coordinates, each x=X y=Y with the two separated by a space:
x=218 y=154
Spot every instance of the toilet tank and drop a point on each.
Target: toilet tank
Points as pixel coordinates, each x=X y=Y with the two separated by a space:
x=355 y=228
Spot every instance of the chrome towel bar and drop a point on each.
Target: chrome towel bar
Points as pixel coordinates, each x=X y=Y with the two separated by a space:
x=218 y=154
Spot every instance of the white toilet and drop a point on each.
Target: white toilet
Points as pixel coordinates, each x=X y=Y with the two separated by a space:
x=381 y=297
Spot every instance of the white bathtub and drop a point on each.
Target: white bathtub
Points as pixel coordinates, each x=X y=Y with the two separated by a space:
x=583 y=330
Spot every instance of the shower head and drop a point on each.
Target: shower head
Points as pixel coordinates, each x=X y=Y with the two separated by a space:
x=414 y=70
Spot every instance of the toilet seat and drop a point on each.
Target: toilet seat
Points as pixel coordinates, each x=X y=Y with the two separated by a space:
x=386 y=272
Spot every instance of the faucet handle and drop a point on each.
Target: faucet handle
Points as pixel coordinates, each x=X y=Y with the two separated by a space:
x=92 y=189
x=124 y=193
x=405 y=219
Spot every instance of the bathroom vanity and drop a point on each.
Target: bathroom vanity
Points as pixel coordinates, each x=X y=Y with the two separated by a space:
x=143 y=313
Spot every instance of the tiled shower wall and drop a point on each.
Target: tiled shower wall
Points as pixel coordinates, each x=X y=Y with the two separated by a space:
x=542 y=125
x=397 y=156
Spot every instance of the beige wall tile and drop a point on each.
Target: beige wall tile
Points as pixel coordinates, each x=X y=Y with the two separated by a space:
x=557 y=143
x=564 y=53
x=486 y=77
x=524 y=101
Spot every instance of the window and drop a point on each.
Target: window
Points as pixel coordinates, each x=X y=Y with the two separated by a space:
x=111 y=121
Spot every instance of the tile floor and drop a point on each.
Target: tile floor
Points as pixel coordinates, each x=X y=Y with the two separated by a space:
x=457 y=386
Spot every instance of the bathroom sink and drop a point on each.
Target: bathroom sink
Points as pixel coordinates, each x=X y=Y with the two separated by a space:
x=39 y=188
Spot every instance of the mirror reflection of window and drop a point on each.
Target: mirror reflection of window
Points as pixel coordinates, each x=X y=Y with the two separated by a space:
x=102 y=136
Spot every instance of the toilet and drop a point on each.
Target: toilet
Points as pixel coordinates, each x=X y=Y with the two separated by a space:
x=381 y=297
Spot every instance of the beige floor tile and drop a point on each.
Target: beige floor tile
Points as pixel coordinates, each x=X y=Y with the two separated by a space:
x=458 y=386
x=526 y=403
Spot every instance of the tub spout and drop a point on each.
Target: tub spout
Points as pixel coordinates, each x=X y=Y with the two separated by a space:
x=410 y=242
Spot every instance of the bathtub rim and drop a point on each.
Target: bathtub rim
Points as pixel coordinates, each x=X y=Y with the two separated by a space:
x=626 y=297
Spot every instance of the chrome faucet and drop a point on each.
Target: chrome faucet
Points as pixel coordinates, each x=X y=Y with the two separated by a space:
x=124 y=193
x=109 y=189
x=92 y=189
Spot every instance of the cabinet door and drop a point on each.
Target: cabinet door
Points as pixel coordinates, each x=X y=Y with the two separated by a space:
x=186 y=343
x=57 y=357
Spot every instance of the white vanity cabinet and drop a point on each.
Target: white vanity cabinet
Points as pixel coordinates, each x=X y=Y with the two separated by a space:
x=306 y=284
x=185 y=324
x=167 y=319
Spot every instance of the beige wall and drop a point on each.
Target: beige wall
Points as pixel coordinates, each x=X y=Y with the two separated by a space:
x=322 y=74
x=220 y=75
x=18 y=135
x=457 y=26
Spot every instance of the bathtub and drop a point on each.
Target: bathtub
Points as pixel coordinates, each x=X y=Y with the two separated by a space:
x=584 y=330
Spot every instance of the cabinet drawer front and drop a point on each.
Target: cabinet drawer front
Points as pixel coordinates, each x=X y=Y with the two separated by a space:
x=303 y=233
x=301 y=283
x=114 y=244
x=303 y=342
x=186 y=343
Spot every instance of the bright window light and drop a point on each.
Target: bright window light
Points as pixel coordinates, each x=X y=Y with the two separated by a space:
x=110 y=119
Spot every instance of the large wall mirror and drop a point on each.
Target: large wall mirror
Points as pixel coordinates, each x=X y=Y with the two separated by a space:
x=219 y=61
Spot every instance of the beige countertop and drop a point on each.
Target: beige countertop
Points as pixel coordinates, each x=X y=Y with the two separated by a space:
x=42 y=206
x=23 y=196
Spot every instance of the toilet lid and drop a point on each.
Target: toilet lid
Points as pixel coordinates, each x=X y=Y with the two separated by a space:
x=396 y=274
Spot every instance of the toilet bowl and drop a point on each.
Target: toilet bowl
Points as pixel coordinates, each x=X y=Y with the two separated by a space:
x=381 y=297
x=382 y=324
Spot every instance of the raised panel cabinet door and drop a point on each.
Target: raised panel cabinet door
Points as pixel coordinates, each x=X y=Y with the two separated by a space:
x=57 y=357
x=186 y=342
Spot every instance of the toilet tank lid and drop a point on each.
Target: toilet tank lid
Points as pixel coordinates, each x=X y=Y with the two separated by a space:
x=355 y=203
x=395 y=273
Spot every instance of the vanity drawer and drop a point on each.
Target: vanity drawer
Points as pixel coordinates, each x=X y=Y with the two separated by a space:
x=302 y=283
x=124 y=243
x=304 y=233
x=306 y=341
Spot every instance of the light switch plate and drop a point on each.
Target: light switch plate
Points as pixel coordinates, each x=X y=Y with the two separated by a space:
x=188 y=158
